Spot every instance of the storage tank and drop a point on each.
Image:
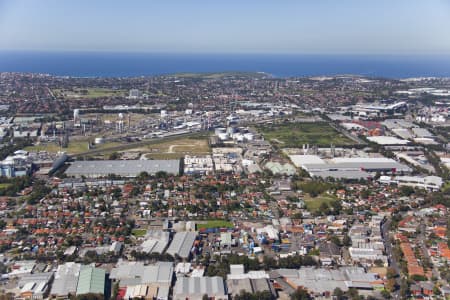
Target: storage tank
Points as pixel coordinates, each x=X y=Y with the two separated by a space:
x=76 y=114
x=99 y=140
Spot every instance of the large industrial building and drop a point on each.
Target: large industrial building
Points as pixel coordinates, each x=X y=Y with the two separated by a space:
x=348 y=167
x=155 y=241
x=320 y=281
x=181 y=244
x=135 y=273
x=124 y=168
x=91 y=281
x=387 y=140
x=432 y=183
x=66 y=279
x=196 y=287
x=143 y=281
x=16 y=165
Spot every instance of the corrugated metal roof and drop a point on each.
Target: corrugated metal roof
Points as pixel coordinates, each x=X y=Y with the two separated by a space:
x=196 y=287
x=341 y=174
x=133 y=273
x=66 y=279
x=156 y=241
x=182 y=244
x=348 y=166
x=299 y=160
x=127 y=168
x=91 y=280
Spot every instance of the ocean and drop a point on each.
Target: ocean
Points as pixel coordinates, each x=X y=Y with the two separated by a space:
x=109 y=64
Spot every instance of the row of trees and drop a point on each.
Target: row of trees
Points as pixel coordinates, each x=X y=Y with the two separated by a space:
x=14 y=185
x=11 y=147
x=222 y=266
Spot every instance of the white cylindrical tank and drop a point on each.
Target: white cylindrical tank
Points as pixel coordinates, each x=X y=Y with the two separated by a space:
x=76 y=114
x=248 y=136
x=218 y=131
x=99 y=140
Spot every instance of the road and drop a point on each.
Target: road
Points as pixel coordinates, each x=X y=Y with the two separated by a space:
x=347 y=134
x=385 y=227
x=421 y=239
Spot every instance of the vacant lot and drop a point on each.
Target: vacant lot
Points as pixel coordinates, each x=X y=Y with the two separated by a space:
x=295 y=135
x=176 y=148
x=74 y=147
x=169 y=148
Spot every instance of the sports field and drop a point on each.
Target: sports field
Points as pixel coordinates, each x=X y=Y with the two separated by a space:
x=313 y=204
x=215 y=224
x=90 y=93
x=295 y=135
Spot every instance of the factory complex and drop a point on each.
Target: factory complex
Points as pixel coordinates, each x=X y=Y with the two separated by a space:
x=352 y=168
x=124 y=168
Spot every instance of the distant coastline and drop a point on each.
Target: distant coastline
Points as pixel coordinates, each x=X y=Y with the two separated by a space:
x=110 y=64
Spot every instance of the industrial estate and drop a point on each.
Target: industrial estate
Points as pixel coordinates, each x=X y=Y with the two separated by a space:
x=224 y=186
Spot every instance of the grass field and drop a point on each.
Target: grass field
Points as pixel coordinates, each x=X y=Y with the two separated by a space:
x=88 y=93
x=4 y=185
x=295 y=135
x=446 y=187
x=215 y=224
x=139 y=232
x=313 y=204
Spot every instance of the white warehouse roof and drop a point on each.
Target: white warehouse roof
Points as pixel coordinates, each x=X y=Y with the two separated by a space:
x=182 y=244
x=196 y=287
x=387 y=140
x=126 y=168
x=299 y=160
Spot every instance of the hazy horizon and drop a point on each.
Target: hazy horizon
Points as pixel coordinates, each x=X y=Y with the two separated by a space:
x=326 y=27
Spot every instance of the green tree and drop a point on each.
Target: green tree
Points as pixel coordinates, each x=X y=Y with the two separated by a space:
x=335 y=240
x=90 y=296
x=404 y=289
x=346 y=241
x=353 y=294
x=406 y=191
x=338 y=293
x=390 y=285
x=437 y=290
x=301 y=294
x=390 y=273
x=258 y=295
x=113 y=156
x=385 y=294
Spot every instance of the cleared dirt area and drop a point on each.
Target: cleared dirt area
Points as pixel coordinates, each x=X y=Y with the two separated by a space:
x=174 y=149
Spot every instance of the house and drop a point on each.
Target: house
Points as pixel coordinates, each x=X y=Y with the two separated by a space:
x=329 y=251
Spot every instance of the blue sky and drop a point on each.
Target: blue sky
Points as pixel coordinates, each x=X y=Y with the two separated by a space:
x=228 y=26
